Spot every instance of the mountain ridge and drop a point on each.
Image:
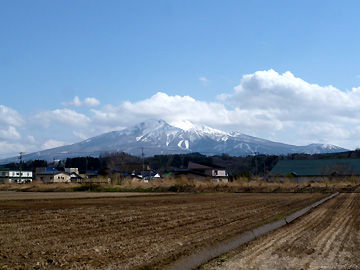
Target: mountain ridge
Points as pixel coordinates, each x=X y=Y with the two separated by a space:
x=159 y=137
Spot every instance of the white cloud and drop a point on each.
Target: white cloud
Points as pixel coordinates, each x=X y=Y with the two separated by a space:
x=269 y=90
x=204 y=80
x=10 y=134
x=64 y=116
x=11 y=149
x=267 y=104
x=179 y=108
x=89 y=102
x=52 y=144
x=80 y=135
x=312 y=111
x=10 y=116
x=31 y=139
x=76 y=102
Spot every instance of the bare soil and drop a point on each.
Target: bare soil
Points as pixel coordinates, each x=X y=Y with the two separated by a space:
x=327 y=238
x=13 y=195
x=132 y=232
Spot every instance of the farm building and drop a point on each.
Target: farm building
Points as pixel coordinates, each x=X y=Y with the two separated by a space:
x=208 y=170
x=72 y=170
x=14 y=176
x=315 y=170
x=53 y=177
x=195 y=170
x=74 y=175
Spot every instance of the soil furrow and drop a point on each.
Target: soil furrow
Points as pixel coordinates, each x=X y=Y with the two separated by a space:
x=129 y=232
x=327 y=238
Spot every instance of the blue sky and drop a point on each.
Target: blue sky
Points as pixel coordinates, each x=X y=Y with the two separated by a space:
x=128 y=51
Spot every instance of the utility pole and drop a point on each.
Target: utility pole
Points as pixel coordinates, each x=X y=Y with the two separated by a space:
x=20 y=165
x=143 y=162
x=256 y=166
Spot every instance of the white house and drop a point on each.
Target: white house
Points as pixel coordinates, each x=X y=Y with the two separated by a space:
x=53 y=177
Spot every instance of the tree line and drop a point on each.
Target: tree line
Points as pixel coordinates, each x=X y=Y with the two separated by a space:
x=107 y=163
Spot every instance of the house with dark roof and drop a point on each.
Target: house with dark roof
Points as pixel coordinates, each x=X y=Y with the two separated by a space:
x=315 y=170
x=202 y=170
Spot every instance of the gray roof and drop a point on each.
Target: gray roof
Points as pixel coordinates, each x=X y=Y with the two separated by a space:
x=203 y=166
x=317 y=167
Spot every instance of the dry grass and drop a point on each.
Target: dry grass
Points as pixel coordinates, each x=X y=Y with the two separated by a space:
x=40 y=187
x=183 y=184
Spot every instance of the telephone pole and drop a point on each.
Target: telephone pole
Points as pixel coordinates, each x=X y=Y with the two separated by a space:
x=20 y=165
x=256 y=165
x=143 y=162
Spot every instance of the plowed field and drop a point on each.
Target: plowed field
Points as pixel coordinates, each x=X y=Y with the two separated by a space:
x=124 y=233
x=327 y=238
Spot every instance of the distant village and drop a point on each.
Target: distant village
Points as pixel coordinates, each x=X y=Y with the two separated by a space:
x=104 y=169
x=49 y=175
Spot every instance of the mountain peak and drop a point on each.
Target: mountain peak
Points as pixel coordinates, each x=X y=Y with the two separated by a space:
x=187 y=125
x=183 y=124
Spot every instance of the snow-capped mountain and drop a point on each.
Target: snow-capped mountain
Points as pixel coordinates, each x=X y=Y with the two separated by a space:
x=158 y=137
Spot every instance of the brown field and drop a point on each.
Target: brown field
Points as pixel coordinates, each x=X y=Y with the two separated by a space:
x=131 y=232
x=327 y=238
x=12 y=195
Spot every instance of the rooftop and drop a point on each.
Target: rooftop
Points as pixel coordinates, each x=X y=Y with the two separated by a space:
x=317 y=167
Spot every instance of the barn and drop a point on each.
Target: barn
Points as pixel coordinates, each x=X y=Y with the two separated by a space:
x=315 y=170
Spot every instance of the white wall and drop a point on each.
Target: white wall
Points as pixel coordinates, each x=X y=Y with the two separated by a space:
x=27 y=174
x=219 y=173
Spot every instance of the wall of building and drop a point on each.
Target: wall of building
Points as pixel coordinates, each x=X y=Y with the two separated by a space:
x=220 y=173
x=14 y=176
x=54 y=178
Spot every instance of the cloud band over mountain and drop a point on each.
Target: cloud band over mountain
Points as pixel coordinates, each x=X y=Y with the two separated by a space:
x=267 y=104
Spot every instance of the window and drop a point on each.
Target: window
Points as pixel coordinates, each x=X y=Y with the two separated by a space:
x=215 y=172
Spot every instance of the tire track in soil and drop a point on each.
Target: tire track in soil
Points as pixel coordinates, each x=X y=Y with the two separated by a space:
x=327 y=238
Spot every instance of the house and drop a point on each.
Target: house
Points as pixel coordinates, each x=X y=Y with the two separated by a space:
x=315 y=170
x=75 y=177
x=146 y=175
x=214 y=171
x=53 y=176
x=196 y=170
x=91 y=174
x=71 y=170
x=15 y=176
x=45 y=169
